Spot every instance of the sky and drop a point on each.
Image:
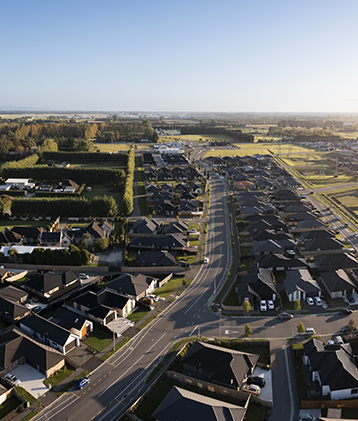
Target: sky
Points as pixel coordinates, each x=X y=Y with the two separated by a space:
x=170 y=55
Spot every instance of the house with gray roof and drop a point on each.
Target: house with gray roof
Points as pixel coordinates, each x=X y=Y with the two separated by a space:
x=280 y=262
x=337 y=283
x=134 y=285
x=179 y=403
x=145 y=226
x=215 y=364
x=299 y=284
x=334 y=261
x=333 y=367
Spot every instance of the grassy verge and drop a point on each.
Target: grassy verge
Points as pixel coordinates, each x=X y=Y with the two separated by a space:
x=72 y=383
x=25 y=395
x=138 y=314
x=30 y=415
x=169 y=287
x=59 y=376
x=117 y=347
x=98 y=340
x=146 y=322
x=154 y=372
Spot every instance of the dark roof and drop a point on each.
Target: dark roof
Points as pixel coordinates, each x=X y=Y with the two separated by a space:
x=94 y=230
x=10 y=237
x=322 y=244
x=45 y=282
x=308 y=235
x=29 y=232
x=51 y=237
x=145 y=226
x=337 y=280
x=276 y=261
x=15 y=344
x=67 y=319
x=300 y=280
x=47 y=328
x=177 y=227
x=336 y=261
x=226 y=366
x=131 y=284
x=156 y=258
x=163 y=241
x=260 y=281
x=336 y=367
x=181 y=405
x=12 y=309
x=110 y=299
x=13 y=294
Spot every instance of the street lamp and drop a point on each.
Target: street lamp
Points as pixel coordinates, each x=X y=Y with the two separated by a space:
x=219 y=311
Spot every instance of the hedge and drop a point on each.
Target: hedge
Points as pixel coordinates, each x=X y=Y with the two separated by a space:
x=22 y=163
x=86 y=157
x=128 y=188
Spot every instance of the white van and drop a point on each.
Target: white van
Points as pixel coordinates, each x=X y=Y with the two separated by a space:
x=309 y=331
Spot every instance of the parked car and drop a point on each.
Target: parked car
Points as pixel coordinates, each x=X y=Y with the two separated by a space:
x=346 y=225
x=82 y=382
x=330 y=342
x=36 y=309
x=251 y=388
x=13 y=379
x=270 y=305
x=350 y=298
x=148 y=301
x=193 y=231
x=345 y=328
x=29 y=306
x=83 y=276
x=263 y=306
x=285 y=316
x=339 y=217
x=206 y=260
x=309 y=331
x=259 y=381
x=355 y=234
x=153 y=297
x=338 y=340
x=310 y=301
x=345 y=311
x=317 y=301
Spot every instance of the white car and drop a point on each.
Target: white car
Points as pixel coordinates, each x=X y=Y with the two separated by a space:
x=83 y=276
x=206 y=260
x=263 y=306
x=153 y=297
x=270 y=305
x=339 y=217
x=251 y=388
x=310 y=301
x=193 y=231
x=317 y=301
x=355 y=234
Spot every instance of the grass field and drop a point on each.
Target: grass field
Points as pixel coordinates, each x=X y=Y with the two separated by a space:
x=138 y=314
x=169 y=287
x=351 y=201
x=59 y=376
x=112 y=147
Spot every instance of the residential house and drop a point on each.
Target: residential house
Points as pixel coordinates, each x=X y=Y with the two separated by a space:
x=307 y=225
x=178 y=227
x=257 y=285
x=67 y=186
x=160 y=242
x=178 y=403
x=135 y=285
x=299 y=285
x=145 y=226
x=17 y=348
x=190 y=207
x=314 y=235
x=337 y=283
x=218 y=365
x=333 y=367
x=49 y=333
x=51 y=285
x=321 y=246
x=331 y=262
x=30 y=235
x=53 y=239
x=10 y=238
x=156 y=258
x=280 y=262
x=74 y=323
x=273 y=246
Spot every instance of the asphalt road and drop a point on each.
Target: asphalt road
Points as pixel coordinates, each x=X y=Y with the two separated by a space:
x=119 y=382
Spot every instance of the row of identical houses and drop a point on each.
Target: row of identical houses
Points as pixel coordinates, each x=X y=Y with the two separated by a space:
x=285 y=234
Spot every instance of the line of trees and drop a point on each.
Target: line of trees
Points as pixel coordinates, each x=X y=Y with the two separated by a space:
x=73 y=256
x=128 y=187
x=100 y=206
x=21 y=163
x=86 y=157
x=112 y=176
x=237 y=134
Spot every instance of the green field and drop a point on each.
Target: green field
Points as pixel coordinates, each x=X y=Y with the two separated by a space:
x=20 y=223
x=112 y=147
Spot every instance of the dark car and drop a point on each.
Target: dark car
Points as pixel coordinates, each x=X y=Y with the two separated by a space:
x=285 y=316
x=259 y=381
x=82 y=382
x=36 y=309
x=345 y=311
x=350 y=298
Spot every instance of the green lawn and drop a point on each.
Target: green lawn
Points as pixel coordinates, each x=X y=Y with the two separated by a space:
x=99 y=340
x=8 y=406
x=138 y=314
x=19 y=223
x=169 y=287
x=19 y=282
x=147 y=321
x=72 y=383
x=59 y=376
x=30 y=415
x=26 y=395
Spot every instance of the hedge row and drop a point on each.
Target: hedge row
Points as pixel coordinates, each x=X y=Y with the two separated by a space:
x=22 y=163
x=100 y=206
x=79 y=175
x=128 y=188
x=86 y=157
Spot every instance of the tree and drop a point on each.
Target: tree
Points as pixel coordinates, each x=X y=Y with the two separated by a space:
x=297 y=306
x=300 y=328
x=351 y=325
x=246 y=306
x=248 y=331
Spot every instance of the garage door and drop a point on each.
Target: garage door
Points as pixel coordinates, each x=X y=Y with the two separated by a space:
x=110 y=318
x=70 y=346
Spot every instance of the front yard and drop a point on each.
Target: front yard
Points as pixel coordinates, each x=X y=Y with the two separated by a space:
x=99 y=340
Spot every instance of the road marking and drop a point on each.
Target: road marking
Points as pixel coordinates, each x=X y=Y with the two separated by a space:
x=193 y=330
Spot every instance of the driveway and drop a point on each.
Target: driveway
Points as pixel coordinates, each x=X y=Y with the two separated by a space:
x=119 y=325
x=31 y=380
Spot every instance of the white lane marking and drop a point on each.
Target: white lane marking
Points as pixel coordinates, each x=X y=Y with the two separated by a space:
x=193 y=330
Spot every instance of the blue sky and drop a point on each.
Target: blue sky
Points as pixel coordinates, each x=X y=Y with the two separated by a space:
x=140 y=55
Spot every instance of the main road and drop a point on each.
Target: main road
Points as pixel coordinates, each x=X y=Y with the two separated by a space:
x=120 y=380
